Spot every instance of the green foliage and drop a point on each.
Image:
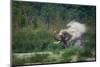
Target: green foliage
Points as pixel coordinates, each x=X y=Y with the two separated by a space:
x=69 y=53
x=28 y=40
x=51 y=13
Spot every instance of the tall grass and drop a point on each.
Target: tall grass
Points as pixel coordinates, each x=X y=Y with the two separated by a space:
x=30 y=39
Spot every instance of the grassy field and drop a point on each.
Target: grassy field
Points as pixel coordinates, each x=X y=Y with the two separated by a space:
x=37 y=47
x=66 y=55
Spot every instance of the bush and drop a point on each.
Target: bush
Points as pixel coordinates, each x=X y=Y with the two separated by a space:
x=69 y=53
x=27 y=40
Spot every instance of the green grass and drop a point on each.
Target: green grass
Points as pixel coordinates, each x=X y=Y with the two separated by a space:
x=72 y=54
x=37 y=58
x=28 y=39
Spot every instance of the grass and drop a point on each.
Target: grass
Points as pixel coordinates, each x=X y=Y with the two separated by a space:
x=37 y=58
x=72 y=54
x=27 y=40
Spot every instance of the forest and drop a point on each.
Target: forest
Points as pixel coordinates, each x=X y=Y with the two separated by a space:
x=34 y=25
